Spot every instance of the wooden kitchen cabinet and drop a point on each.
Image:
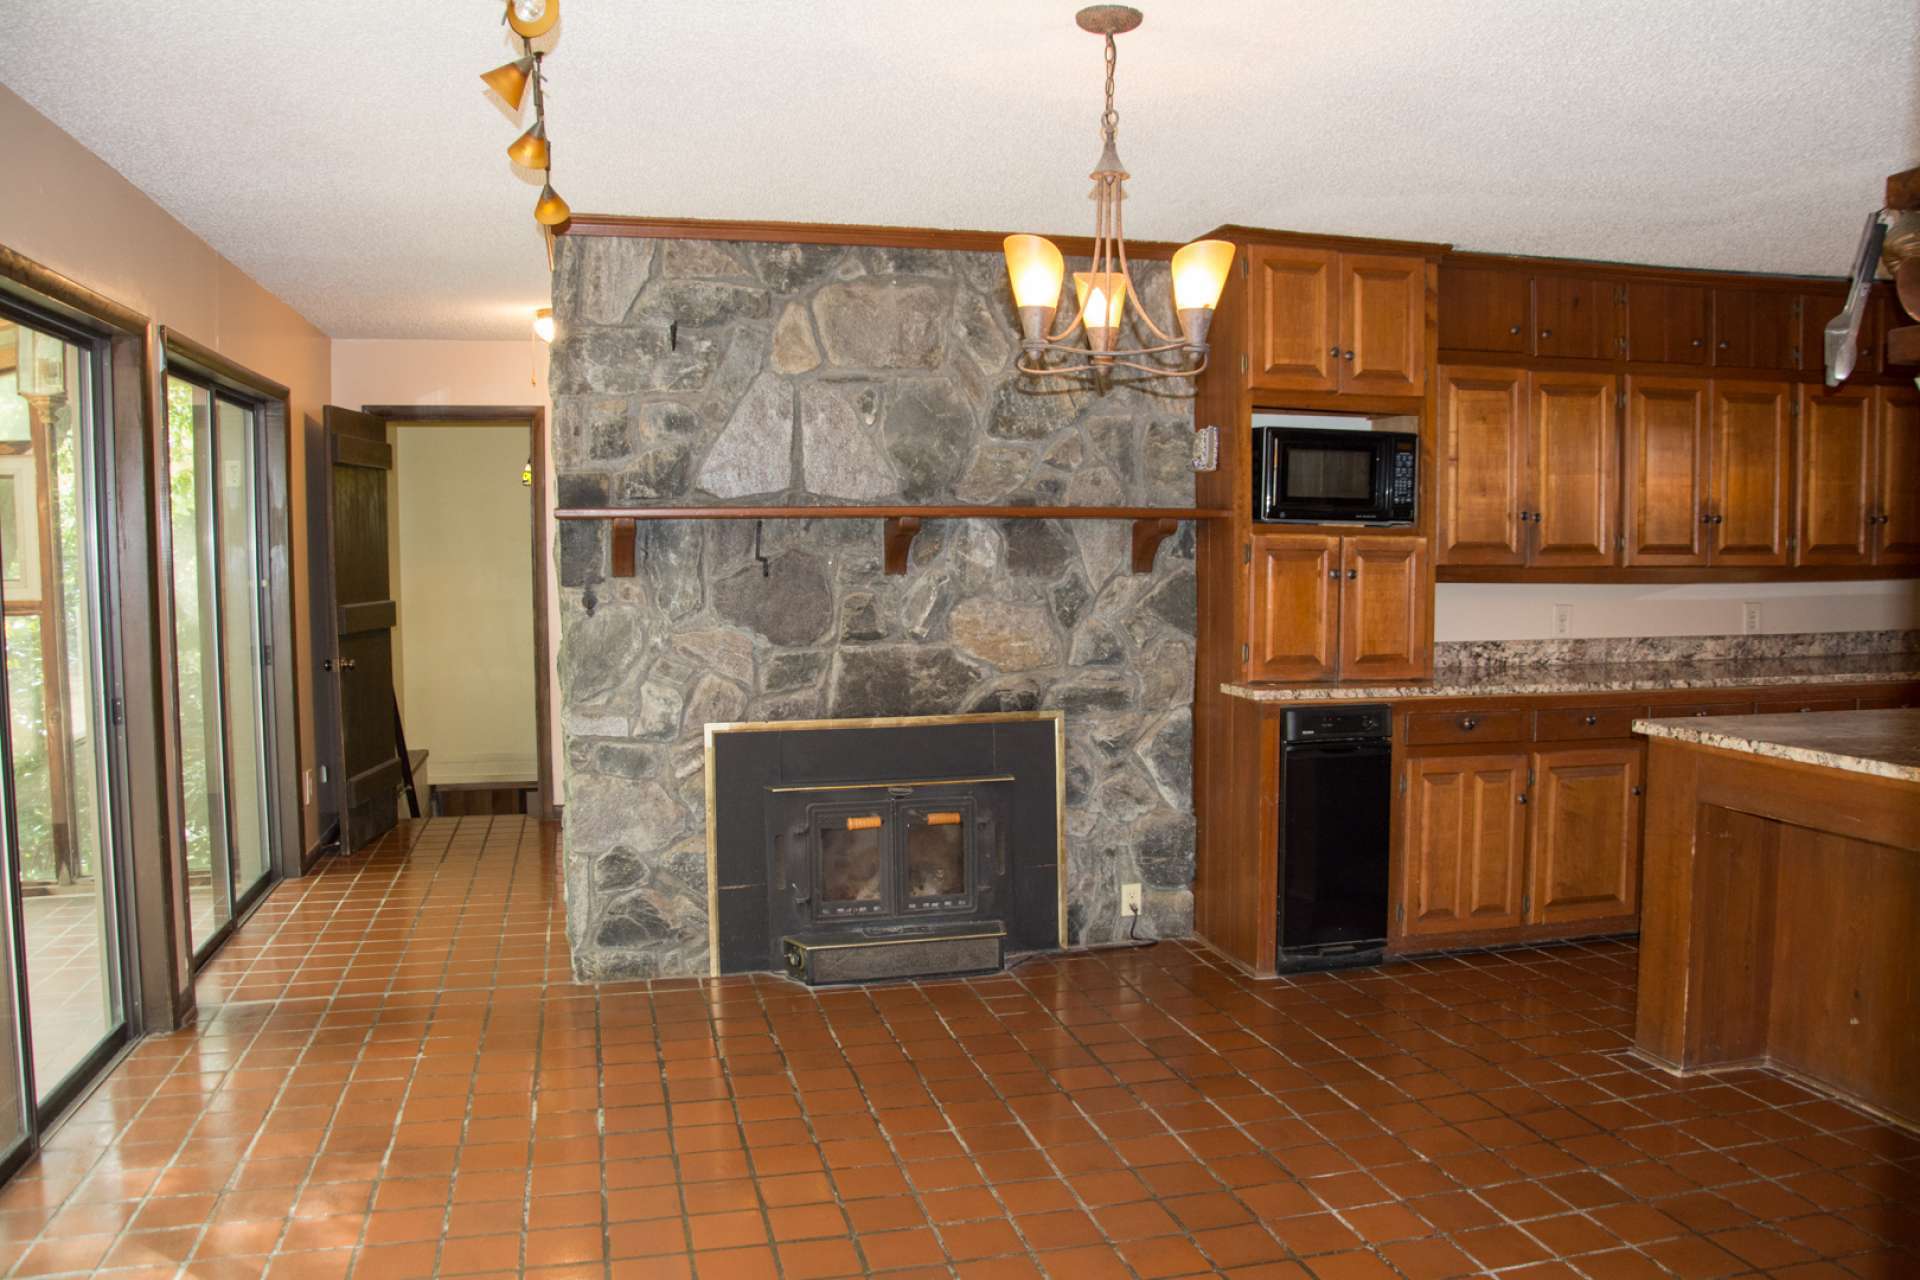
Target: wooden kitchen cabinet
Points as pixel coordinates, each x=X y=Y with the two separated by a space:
x=1295 y=607
x=1575 y=317
x=1750 y=428
x=1666 y=471
x=1896 y=502
x=1583 y=848
x=1485 y=309
x=1465 y=843
x=1357 y=607
x=1667 y=323
x=1328 y=321
x=1386 y=614
x=1756 y=329
x=1529 y=467
x=1833 y=476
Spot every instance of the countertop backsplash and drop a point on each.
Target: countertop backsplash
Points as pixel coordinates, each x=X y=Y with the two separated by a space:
x=1459 y=655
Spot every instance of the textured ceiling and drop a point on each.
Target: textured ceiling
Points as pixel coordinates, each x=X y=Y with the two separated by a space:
x=347 y=156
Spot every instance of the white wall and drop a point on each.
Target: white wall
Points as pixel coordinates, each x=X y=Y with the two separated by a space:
x=1524 y=611
x=466 y=600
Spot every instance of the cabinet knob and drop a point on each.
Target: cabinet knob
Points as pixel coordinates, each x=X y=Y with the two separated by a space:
x=1521 y=798
x=1639 y=791
x=1514 y=330
x=1349 y=356
x=1719 y=519
x=1699 y=342
x=1536 y=517
x=1593 y=719
x=1724 y=344
x=1334 y=574
x=1352 y=574
x=1334 y=352
x=1546 y=333
x=1525 y=516
x=1469 y=724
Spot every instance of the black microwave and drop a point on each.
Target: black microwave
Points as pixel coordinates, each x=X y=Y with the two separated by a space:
x=1310 y=475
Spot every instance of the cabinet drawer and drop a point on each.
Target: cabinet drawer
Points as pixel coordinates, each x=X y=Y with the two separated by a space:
x=1563 y=724
x=1446 y=728
x=1676 y=709
x=1775 y=706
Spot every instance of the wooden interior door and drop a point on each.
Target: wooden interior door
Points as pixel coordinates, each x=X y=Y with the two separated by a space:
x=1574 y=468
x=1751 y=450
x=1294 y=616
x=1666 y=471
x=1755 y=329
x=1584 y=851
x=1667 y=323
x=1896 y=489
x=1386 y=617
x=1833 y=476
x=1295 y=298
x=1574 y=317
x=1383 y=324
x=1465 y=843
x=1483 y=447
x=1484 y=309
x=364 y=615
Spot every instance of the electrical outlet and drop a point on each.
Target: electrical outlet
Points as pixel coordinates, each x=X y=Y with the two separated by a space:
x=1750 y=617
x=306 y=786
x=1562 y=621
x=1129 y=900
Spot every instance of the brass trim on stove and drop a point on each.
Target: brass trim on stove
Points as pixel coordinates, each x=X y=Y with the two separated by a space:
x=798 y=945
x=1059 y=719
x=904 y=782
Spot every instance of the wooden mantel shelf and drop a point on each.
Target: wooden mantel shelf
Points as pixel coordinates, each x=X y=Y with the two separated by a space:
x=1151 y=525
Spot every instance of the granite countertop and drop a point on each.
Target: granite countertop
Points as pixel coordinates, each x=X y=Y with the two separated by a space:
x=1621 y=677
x=1886 y=743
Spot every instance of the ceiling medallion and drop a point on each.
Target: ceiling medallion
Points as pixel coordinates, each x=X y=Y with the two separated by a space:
x=530 y=19
x=1104 y=293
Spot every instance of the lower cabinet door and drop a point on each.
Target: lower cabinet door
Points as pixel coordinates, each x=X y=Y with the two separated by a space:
x=1585 y=862
x=1466 y=837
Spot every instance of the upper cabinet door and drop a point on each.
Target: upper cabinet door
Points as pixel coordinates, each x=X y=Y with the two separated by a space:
x=1896 y=502
x=1888 y=315
x=1482 y=448
x=1575 y=317
x=1383 y=325
x=1818 y=308
x=1386 y=619
x=1833 y=466
x=1575 y=468
x=1295 y=618
x=1484 y=309
x=1755 y=329
x=1666 y=471
x=1296 y=318
x=1751 y=429
x=1667 y=323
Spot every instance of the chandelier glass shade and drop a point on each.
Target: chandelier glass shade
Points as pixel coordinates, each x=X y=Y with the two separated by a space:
x=1104 y=295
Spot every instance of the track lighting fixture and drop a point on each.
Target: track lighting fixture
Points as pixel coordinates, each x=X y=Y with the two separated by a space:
x=531 y=150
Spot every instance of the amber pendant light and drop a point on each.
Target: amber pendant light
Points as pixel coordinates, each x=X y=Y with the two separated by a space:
x=531 y=150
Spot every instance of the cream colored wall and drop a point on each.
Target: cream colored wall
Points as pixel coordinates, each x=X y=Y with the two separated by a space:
x=63 y=207
x=1524 y=611
x=385 y=371
x=466 y=600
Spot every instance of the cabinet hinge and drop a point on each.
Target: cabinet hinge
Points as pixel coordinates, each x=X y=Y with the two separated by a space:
x=1399 y=913
x=1620 y=293
x=1526 y=903
x=1403 y=782
x=1245 y=270
x=1246 y=554
x=1620 y=402
x=1246 y=652
x=1793 y=409
x=1529 y=778
x=1243 y=362
x=117 y=711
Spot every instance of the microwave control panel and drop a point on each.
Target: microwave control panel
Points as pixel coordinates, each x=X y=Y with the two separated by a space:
x=1404 y=481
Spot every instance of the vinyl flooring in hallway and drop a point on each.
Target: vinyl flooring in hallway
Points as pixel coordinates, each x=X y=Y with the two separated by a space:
x=394 y=1075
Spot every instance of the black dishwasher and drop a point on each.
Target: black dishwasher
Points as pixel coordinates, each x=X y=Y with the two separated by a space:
x=1336 y=799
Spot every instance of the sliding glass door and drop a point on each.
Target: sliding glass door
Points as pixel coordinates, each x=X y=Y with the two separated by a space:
x=214 y=514
x=66 y=931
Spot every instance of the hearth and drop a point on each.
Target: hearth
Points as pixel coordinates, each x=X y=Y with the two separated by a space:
x=859 y=849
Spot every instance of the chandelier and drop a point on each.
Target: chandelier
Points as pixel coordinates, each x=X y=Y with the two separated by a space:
x=1103 y=294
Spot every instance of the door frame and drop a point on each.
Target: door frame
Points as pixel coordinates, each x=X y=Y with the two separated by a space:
x=535 y=418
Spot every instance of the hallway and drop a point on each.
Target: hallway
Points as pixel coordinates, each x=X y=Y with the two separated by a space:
x=394 y=1076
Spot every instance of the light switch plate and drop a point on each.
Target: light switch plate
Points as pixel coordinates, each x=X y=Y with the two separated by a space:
x=1750 y=617
x=1206 y=449
x=1562 y=621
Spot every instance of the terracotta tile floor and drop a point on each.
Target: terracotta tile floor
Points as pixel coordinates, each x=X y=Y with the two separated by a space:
x=395 y=1077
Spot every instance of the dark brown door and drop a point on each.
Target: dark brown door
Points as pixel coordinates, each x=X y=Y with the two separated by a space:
x=1386 y=619
x=1896 y=502
x=1575 y=316
x=1294 y=620
x=1755 y=329
x=1666 y=471
x=1296 y=318
x=1833 y=464
x=1667 y=323
x=1574 y=468
x=1751 y=448
x=1466 y=836
x=1585 y=846
x=1383 y=325
x=363 y=619
x=1483 y=309
x=1483 y=448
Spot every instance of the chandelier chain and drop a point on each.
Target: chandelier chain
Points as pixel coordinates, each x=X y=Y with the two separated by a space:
x=1110 y=119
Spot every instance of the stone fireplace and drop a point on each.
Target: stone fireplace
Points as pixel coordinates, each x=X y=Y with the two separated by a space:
x=690 y=371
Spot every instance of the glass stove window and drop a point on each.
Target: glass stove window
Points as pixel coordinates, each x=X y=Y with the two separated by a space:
x=936 y=860
x=850 y=863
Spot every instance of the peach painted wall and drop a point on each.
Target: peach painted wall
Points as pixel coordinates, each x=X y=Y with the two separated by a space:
x=427 y=371
x=65 y=208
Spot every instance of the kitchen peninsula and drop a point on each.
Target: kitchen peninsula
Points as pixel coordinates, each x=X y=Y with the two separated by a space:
x=1782 y=880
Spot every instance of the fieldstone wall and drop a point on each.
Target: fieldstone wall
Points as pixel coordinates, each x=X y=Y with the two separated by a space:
x=701 y=371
